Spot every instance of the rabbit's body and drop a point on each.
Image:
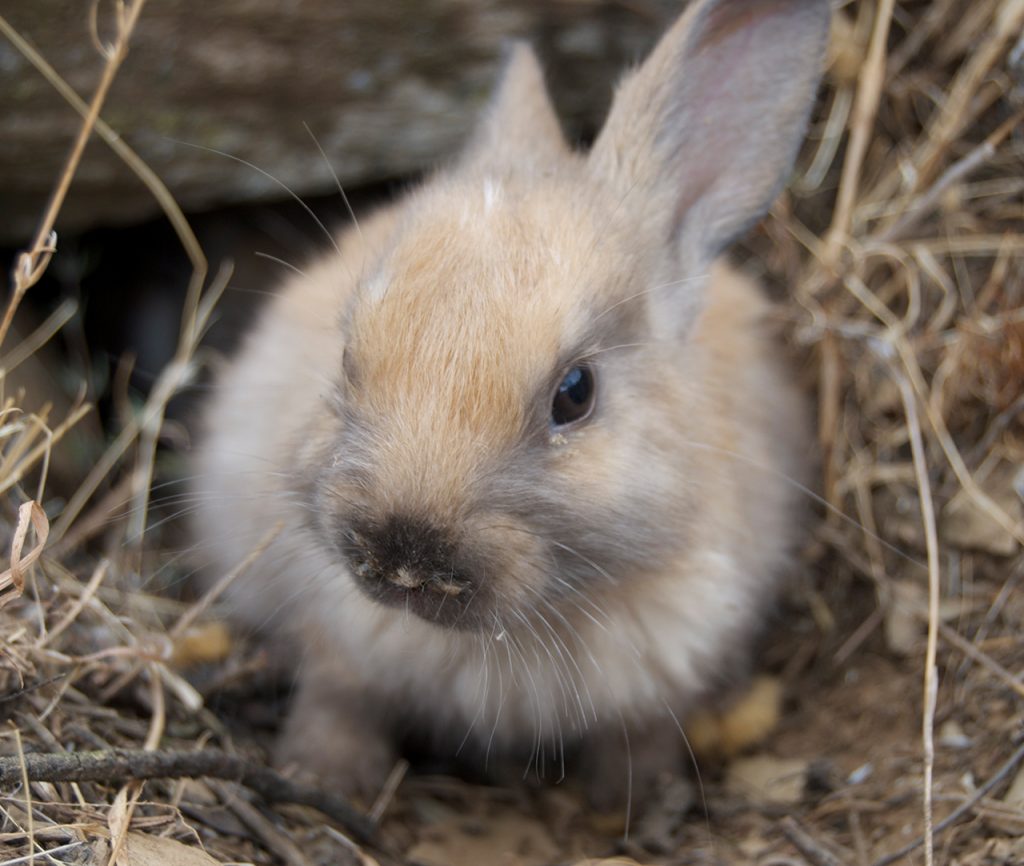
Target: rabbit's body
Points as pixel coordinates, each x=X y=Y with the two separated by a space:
x=455 y=555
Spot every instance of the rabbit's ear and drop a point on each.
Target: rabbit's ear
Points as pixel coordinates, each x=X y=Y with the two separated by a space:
x=701 y=137
x=519 y=128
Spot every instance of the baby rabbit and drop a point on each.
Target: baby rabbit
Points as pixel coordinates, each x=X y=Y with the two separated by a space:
x=529 y=442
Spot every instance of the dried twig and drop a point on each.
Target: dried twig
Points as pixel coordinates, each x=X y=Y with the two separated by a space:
x=138 y=764
x=195 y=611
x=12 y=579
x=221 y=586
x=274 y=838
x=807 y=845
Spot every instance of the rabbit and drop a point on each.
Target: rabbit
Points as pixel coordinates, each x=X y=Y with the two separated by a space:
x=527 y=444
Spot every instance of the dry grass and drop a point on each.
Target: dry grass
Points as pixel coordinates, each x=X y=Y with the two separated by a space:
x=901 y=250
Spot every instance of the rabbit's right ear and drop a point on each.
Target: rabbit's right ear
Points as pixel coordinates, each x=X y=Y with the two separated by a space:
x=702 y=136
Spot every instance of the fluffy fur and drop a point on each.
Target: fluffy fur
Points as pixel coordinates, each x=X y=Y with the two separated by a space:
x=450 y=561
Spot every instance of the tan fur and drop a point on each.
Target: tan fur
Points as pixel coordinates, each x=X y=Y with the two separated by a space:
x=622 y=564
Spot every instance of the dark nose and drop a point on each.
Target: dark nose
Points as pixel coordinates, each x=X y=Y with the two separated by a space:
x=408 y=561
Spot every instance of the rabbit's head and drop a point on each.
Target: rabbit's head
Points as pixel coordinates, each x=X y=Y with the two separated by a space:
x=522 y=374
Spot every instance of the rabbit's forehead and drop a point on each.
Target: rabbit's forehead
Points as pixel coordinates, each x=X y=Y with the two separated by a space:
x=471 y=314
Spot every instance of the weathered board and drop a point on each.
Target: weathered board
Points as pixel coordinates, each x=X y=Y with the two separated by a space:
x=389 y=87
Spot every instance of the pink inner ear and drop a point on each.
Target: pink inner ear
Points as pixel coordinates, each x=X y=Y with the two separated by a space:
x=725 y=60
x=724 y=69
x=725 y=73
x=726 y=18
x=724 y=48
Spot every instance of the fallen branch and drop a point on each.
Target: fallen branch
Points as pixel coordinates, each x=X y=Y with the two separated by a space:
x=120 y=765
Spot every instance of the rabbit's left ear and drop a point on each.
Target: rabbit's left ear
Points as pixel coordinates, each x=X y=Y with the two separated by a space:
x=701 y=137
x=519 y=127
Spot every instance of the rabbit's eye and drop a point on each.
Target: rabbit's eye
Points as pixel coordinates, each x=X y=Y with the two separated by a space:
x=574 y=399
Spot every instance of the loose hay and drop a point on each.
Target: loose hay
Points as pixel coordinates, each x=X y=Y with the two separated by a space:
x=899 y=262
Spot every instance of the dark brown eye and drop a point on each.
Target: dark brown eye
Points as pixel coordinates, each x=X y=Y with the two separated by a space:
x=574 y=399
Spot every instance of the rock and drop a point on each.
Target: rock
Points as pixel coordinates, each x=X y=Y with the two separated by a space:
x=906 y=615
x=952 y=736
x=1015 y=794
x=142 y=849
x=508 y=840
x=967 y=525
x=1010 y=818
x=768 y=780
x=747 y=721
x=388 y=88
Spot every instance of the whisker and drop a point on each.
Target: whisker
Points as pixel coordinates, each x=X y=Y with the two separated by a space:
x=295 y=196
x=648 y=291
x=696 y=771
x=554 y=664
x=337 y=181
x=594 y=353
x=281 y=262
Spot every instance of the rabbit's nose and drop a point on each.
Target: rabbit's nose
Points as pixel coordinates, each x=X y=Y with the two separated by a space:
x=407 y=561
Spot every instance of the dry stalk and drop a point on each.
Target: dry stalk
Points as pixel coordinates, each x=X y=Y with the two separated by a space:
x=31 y=344
x=222 y=585
x=200 y=607
x=12 y=579
x=807 y=845
x=193 y=319
x=32 y=263
x=931 y=681
x=28 y=796
x=173 y=377
x=91 y=588
x=120 y=819
x=956 y=173
x=960 y=106
x=13 y=475
x=865 y=107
